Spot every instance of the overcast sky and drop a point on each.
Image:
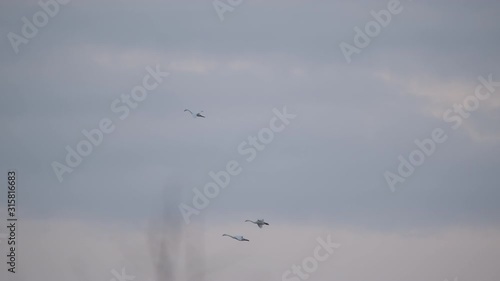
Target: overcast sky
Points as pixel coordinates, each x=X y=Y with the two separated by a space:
x=323 y=174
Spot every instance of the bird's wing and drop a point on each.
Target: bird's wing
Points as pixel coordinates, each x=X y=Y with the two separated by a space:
x=260 y=225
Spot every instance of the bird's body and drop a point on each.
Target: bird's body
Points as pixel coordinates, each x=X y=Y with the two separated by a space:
x=195 y=115
x=259 y=223
x=237 y=237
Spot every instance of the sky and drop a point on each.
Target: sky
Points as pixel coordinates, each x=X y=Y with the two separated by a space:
x=323 y=173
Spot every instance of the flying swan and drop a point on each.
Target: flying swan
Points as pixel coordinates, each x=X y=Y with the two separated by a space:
x=199 y=114
x=237 y=237
x=259 y=223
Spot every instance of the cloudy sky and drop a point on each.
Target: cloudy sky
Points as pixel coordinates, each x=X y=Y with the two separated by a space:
x=322 y=176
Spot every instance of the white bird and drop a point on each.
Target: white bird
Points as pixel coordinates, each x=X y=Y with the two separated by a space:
x=260 y=223
x=199 y=114
x=237 y=237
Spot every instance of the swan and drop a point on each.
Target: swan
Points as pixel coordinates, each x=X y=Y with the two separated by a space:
x=237 y=237
x=259 y=223
x=199 y=114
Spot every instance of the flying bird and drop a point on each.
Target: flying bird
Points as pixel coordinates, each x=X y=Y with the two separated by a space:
x=237 y=237
x=259 y=223
x=199 y=114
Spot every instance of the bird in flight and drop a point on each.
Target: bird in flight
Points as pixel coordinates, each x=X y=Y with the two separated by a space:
x=199 y=114
x=259 y=223
x=237 y=237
